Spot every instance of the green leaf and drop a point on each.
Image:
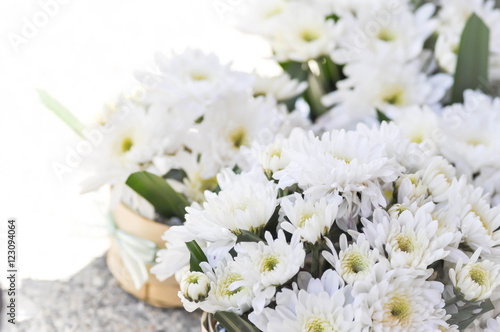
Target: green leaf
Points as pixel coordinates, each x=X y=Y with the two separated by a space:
x=272 y=224
x=234 y=323
x=333 y=17
x=166 y=201
x=470 y=312
x=62 y=112
x=246 y=236
x=197 y=256
x=176 y=174
x=297 y=70
x=382 y=117
x=313 y=96
x=472 y=61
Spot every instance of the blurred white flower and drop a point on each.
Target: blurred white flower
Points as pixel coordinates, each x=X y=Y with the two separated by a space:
x=303 y=34
x=281 y=87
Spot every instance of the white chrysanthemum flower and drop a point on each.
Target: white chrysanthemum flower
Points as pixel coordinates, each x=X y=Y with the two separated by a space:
x=471 y=137
x=475 y=280
x=319 y=305
x=246 y=119
x=479 y=222
x=275 y=263
x=410 y=189
x=309 y=219
x=382 y=82
x=227 y=287
x=191 y=75
x=270 y=156
x=419 y=124
x=403 y=34
x=396 y=144
x=355 y=261
x=281 y=87
x=340 y=162
x=245 y=202
x=260 y=17
x=410 y=240
x=194 y=288
x=303 y=34
x=399 y=301
x=438 y=176
x=131 y=137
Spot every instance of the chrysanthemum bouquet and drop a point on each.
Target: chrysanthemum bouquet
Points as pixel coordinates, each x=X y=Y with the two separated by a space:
x=384 y=227
x=351 y=231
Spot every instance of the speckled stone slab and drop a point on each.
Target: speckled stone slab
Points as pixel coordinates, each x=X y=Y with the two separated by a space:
x=92 y=301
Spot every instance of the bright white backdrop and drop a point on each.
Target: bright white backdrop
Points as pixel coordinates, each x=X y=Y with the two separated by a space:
x=84 y=55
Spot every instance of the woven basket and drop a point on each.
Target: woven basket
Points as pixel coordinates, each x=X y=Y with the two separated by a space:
x=161 y=294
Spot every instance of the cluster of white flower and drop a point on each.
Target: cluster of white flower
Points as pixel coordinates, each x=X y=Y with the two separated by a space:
x=380 y=45
x=466 y=134
x=351 y=231
x=193 y=114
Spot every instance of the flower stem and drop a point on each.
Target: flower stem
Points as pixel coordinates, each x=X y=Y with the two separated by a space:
x=315 y=266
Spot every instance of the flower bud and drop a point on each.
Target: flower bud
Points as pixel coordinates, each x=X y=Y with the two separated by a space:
x=195 y=286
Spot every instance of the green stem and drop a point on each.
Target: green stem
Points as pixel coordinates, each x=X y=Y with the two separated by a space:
x=315 y=266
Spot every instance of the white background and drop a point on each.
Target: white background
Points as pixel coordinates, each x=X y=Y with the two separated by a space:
x=84 y=56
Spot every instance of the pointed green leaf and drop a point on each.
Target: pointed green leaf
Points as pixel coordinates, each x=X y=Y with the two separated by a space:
x=296 y=70
x=166 y=201
x=472 y=61
x=62 y=112
x=382 y=117
x=197 y=256
x=234 y=323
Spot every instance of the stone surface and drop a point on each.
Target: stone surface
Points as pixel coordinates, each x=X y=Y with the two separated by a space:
x=92 y=301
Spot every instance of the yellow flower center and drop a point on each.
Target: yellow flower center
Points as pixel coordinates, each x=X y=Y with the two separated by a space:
x=394 y=96
x=226 y=282
x=199 y=77
x=355 y=262
x=268 y=263
x=309 y=35
x=478 y=275
x=386 y=35
x=405 y=243
x=127 y=144
x=273 y=11
x=399 y=310
x=304 y=218
x=238 y=137
x=317 y=324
